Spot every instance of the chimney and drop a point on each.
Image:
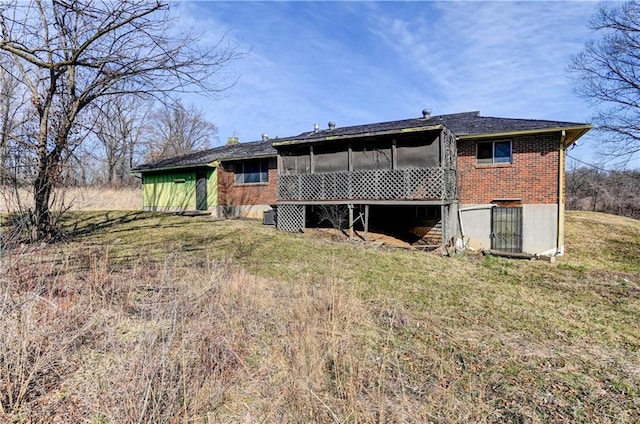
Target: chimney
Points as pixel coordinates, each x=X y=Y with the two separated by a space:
x=265 y=137
x=316 y=128
x=332 y=125
x=426 y=113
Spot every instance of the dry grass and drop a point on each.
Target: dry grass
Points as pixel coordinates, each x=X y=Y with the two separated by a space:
x=78 y=199
x=598 y=240
x=156 y=318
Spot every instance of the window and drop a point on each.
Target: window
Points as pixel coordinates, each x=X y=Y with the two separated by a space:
x=490 y=152
x=252 y=172
x=330 y=159
x=418 y=152
x=296 y=161
x=371 y=155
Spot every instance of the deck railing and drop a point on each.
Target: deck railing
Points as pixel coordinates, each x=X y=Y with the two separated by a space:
x=434 y=183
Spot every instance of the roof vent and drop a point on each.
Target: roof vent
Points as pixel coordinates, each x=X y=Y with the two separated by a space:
x=332 y=125
x=265 y=137
x=426 y=113
x=316 y=128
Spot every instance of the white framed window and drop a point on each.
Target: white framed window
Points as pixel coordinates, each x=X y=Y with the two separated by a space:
x=493 y=152
x=252 y=172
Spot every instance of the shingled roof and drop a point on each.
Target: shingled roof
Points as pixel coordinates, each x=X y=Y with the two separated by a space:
x=463 y=125
x=467 y=124
x=255 y=149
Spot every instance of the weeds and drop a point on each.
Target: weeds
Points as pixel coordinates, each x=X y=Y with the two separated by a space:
x=150 y=318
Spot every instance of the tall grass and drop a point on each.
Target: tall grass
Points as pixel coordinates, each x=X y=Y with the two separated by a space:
x=158 y=319
x=77 y=199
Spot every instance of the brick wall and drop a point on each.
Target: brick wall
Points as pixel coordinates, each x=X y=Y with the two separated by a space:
x=532 y=176
x=232 y=194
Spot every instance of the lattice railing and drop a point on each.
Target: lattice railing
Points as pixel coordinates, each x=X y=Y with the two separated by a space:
x=388 y=184
x=290 y=218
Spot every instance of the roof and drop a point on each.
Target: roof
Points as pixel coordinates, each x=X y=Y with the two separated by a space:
x=253 y=149
x=463 y=125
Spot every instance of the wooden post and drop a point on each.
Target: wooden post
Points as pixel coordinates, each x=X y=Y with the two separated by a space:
x=312 y=161
x=366 y=222
x=350 y=221
x=394 y=154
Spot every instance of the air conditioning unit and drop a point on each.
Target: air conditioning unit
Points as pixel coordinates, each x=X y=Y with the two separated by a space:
x=269 y=217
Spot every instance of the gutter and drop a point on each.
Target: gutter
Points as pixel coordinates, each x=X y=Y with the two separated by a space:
x=582 y=129
x=561 y=193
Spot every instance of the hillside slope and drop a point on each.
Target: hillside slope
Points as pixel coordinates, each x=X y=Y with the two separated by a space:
x=159 y=318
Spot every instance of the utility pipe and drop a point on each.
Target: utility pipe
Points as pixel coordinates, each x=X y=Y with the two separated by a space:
x=561 y=182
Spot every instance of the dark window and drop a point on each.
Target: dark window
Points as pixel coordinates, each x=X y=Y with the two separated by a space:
x=370 y=156
x=418 y=152
x=330 y=159
x=490 y=152
x=252 y=172
x=296 y=162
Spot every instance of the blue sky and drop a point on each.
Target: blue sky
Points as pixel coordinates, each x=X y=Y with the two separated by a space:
x=362 y=62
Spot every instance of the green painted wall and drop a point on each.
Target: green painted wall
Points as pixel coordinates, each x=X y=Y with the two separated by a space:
x=176 y=191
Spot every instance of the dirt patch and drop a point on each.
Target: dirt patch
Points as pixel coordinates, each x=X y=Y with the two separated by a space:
x=373 y=238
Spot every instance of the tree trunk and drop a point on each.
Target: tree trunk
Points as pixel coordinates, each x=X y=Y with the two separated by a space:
x=41 y=196
x=48 y=177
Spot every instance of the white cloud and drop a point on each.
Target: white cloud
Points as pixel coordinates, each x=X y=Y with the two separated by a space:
x=360 y=62
x=501 y=57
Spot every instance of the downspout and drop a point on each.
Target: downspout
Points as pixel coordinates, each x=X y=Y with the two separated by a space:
x=470 y=208
x=561 y=166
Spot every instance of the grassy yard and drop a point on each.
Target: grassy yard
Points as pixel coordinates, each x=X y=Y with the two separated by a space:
x=160 y=318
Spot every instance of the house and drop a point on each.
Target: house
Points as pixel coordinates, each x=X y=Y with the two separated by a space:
x=228 y=181
x=463 y=179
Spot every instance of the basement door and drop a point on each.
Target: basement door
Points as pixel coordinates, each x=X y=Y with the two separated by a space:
x=506 y=229
x=201 y=191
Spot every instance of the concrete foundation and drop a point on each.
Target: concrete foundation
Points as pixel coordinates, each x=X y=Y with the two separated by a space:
x=539 y=227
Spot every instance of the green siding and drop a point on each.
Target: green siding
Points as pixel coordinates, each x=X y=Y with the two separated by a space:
x=212 y=188
x=166 y=191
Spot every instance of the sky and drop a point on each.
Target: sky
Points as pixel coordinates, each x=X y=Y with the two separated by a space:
x=361 y=62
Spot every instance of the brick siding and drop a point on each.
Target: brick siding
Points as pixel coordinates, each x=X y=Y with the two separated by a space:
x=232 y=194
x=532 y=176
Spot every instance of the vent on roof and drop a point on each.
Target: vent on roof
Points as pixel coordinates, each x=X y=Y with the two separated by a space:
x=316 y=128
x=426 y=113
x=332 y=125
x=265 y=137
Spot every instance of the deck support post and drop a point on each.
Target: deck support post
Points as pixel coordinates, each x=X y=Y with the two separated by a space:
x=366 y=222
x=350 y=206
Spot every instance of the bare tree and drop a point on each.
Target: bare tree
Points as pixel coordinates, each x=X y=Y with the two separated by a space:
x=607 y=72
x=615 y=192
x=69 y=54
x=336 y=215
x=8 y=124
x=15 y=155
x=177 y=130
x=119 y=129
